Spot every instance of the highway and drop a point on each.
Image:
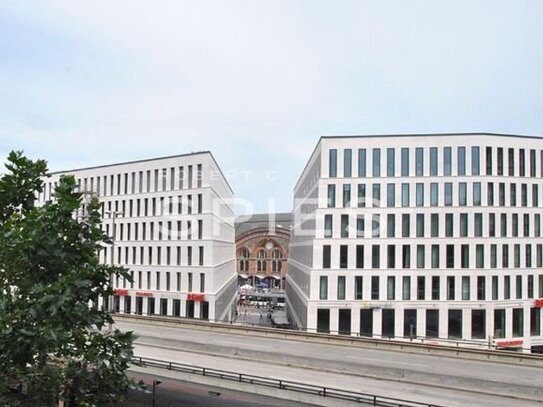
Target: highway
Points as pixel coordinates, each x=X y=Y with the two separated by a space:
x=417 y=377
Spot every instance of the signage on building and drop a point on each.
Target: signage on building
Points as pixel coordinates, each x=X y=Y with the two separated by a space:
x=120 y=291
x=539 y=303
x=195 y=297
x=510 y=344
x=144 y=294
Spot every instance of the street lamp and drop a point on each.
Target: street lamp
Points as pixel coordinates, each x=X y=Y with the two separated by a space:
x=155 y=384
x=113 y=215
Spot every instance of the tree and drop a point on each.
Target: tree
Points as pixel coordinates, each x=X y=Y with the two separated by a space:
x=51 y=342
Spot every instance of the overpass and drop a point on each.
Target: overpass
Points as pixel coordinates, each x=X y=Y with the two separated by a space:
x=435 y=375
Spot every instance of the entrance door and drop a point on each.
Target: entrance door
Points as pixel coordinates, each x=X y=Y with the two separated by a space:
x=163 y=306
x=176 y=308
x=127 y=304
x=150 y=306
x=204 y=310
x=344 y=321
x=190 y=309
x=366 y=322
x=323 y=320
x=117 y=303
x=139 y=305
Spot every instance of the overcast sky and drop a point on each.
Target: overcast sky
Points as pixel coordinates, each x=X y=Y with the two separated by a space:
x=95 y=82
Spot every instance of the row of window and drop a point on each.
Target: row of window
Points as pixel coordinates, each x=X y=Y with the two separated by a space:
x=135 y=182
x=261 y=265
x=137 y=231
x=158 y=281
x=456 y=256
x=161 y=307
x=454 y=328
x=152 y=256
x=422 y=288
x=437 y=194
x=455 y=225
x=445 y=161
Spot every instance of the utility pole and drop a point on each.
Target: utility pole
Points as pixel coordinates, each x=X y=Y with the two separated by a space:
x=113 y=215
x=155 y=384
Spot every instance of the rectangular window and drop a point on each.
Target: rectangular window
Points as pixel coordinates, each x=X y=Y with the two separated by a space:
x=433 y=161
x=391 y=196
x=376 y=162
x=434 y=194
x=479 y=256
x=481 y=288
x=488 y=160
x=390 y=162
x=326 y=256
x=419 y=162
x=518 y=322
x=435 y=256
x=535 y=321
x=405 y=225
x=448 y=194
x=500 y=161
x=420 y=224
x=511 y=162
x=513 y=195
x=478 y=225
x=518 y=284
x=347 y=162
x=432 y=323
x=450 y=288
x=535 y=195
x=406 y=256
x=406 y=288
x=375 y=256
x=421 y=288
x=346 y=195
x=420 y=256
x=434 y=225
x=495 y=287
x=391 y=225
x=507 y=287
x=449 y=256
x=391 y=288
x=524 y=195
x=435 y=288
x=375 y=287
x=476 y=194
x=361 y=195
x=462 y=194
x=331 y=196
x=202 y=282
x=343 y=256
x=361 y=162
x=449 y=226
x=344 y=225
x=360 y=225
x=376 y=195
x=358 y=287
x=475 y=160
x=493 y=256
x=501 y=193
x=478 y=323
x=391 y=256
x=464 y=256
x=327 y=225
x=341 y=287
x=376 y=225
x=465 y=288
x=463 y=224
x=461 y=163
x=532 y=163
x=323 y=288
x=332 y=171
x=405 y=162
x=405 y=195
x=490 y=194
x=447 y=158
x=359 y=256
x=522 y=162
x=420 y=194
x=455 y=324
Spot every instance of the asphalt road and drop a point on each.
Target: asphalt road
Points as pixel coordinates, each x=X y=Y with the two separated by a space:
x=335 y=366
x=172 y=393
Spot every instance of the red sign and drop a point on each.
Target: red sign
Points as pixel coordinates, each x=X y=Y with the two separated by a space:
x=120 y=291
x=195 y=297
x=509 y=344
x=144 y=294
x=539 y=303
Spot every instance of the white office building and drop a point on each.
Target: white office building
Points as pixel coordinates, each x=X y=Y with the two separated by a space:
x=171 y=224
x=428 y=236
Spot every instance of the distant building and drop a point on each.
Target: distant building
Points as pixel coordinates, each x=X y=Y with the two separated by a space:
x=171 y=223
x=434 y=236
x=262 y=247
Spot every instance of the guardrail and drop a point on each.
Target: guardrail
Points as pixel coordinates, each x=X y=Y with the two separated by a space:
x=322 y=391
x=346 y=340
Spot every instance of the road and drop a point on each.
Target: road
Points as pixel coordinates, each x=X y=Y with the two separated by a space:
x=417 y=377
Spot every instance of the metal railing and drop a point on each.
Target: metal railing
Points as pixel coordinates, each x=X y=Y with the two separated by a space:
x=322 y=391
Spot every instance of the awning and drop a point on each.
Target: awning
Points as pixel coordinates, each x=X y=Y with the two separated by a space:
x=243 y=275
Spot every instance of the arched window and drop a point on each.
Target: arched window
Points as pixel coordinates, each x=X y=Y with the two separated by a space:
x=244 y=262
x=276 y=264
x=261 y=262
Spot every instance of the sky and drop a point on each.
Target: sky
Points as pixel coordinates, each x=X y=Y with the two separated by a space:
x=258 y=83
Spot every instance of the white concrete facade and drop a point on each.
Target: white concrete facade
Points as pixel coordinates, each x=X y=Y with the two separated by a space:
x=173 y=229
x=435 y=236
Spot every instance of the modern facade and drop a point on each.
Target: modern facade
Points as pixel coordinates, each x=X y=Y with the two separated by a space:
x=428 y=236
x=262 y=242
x=171 y=224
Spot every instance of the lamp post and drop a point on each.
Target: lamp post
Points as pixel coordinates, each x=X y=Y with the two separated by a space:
x=155 y=384
x=113 y=215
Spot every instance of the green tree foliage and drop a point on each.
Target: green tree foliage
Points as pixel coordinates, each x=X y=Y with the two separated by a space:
x=51 y=343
